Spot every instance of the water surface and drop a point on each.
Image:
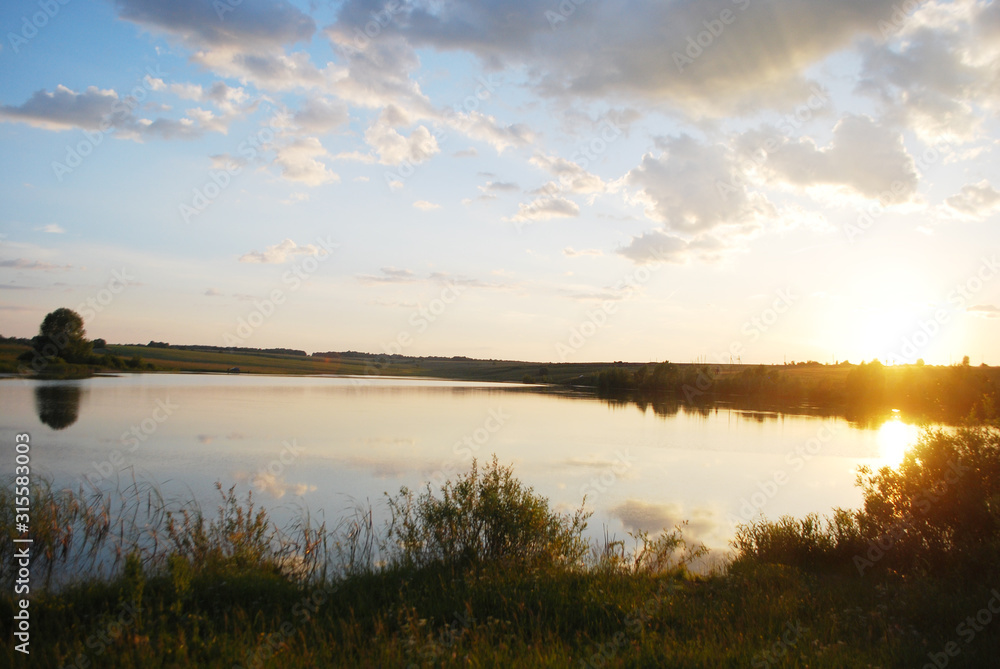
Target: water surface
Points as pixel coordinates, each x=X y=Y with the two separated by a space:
x=329 y=443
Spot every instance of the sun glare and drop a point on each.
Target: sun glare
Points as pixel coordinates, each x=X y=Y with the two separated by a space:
x=894 y=438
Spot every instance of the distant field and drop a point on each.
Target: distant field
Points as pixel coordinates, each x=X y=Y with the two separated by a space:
x=249 y=363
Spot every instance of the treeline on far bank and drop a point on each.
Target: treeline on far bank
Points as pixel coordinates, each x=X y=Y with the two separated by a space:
x=936 y=392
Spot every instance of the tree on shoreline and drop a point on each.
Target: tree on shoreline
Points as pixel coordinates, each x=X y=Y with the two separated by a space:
x=62 y=335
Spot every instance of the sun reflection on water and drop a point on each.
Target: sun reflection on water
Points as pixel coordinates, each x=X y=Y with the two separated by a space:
x=895 y=438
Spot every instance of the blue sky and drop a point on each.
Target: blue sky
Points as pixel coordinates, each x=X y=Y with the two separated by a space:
x=535 y=180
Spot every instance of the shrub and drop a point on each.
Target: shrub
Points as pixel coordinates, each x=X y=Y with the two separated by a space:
x=484 y=516
x=941 y=507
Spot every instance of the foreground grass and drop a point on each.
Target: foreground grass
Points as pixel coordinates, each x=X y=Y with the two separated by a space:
x=762 y=616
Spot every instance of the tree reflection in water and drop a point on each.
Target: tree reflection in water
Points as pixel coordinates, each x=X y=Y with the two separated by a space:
x=58 y=405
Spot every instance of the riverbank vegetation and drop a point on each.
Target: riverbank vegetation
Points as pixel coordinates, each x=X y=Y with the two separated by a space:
x=482 y=572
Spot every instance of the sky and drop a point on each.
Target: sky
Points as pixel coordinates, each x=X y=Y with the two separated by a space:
x=551 y=181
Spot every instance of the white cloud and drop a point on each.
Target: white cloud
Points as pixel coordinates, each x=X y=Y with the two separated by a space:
x=545 y=208
x=52 y=228
x=321 y=115
x=280 y=252
x=572 y=177
x=975 y=201
x=298 y=162
x=393 y=148
x=424 y=205
x=388 y=275
x=570 y=252
x=864 y=158
x=694 y=187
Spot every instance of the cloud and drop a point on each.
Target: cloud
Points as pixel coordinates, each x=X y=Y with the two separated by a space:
x=52 y=228
x=393 y=148
x=212 y=292
x=103 y=111
x=486 y=128
x=657 y=246
x=975 y=201
x=638 y=515
x=499 y=187
x=864 y=157
x=321 y=115
x=298 y=162
x=249 y=24
x=545 y=208
x=606 y=50
x=22 y=263
x=572 y=177
x=276 y=486
x=466 y=153
x=984 y=310
x=424 y=205
x=937 y=76
x=389 y=275
x=570 y=252
x=279 y=253
x=64 y=109
x=695 y=187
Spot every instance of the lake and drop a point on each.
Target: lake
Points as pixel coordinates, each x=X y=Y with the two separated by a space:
x=329 y=444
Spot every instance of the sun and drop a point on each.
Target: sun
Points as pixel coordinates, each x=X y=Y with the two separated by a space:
x=894 y=438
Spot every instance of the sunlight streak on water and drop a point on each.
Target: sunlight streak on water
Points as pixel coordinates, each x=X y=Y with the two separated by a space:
x=895 y=438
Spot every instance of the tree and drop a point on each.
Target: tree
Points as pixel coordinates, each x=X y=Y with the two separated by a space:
x=62 y=335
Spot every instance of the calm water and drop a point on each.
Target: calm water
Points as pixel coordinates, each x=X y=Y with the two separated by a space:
x=328 y=443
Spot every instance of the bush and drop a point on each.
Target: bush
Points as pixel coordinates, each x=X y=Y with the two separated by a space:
x=940 y=509
x=484 y=516
x=937 y=513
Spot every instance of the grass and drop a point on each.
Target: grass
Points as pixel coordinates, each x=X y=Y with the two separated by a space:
x=482 y=573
